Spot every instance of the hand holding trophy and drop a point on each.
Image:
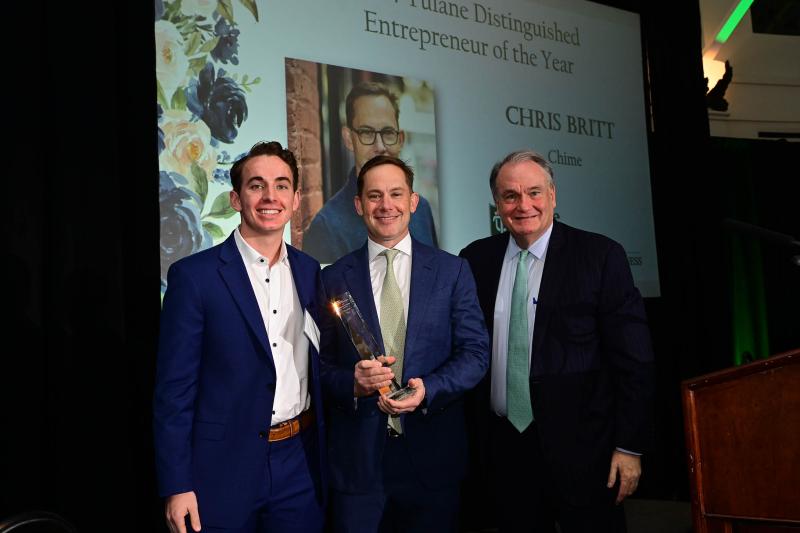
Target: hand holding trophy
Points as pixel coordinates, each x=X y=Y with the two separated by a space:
x=347 y=310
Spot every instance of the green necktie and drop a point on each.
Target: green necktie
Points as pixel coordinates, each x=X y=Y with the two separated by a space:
x=393 y=324
x=518 y=390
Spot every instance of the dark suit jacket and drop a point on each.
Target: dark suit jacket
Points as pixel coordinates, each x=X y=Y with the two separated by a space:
x=592 y=360
x=216 y=381
x=446 y=345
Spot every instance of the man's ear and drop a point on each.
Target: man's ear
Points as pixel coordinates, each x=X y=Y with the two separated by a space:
x=359 y=207
x=347 y=138
x=296 y=200
x=236 y=202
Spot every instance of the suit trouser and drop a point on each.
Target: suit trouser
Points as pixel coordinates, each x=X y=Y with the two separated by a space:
x=287 y=500
x=527 y=498
x=402 y=504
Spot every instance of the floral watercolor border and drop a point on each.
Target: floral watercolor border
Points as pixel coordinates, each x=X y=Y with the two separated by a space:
x=202 y=103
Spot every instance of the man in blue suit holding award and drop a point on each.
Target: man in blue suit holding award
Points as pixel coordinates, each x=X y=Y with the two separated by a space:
x=395 y=465
x=237 y=412
x=565 y=409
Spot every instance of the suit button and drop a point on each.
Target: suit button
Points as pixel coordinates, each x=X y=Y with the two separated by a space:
x=262 y=434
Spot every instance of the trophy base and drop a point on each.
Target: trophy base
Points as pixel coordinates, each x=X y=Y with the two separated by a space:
x=399 y=394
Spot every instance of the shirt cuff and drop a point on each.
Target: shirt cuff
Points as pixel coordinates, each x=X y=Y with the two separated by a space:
x=623 y=450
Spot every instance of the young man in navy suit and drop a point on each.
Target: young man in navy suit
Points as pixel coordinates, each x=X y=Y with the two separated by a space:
x=396 y=464
x=237 y=412
x=565 y=409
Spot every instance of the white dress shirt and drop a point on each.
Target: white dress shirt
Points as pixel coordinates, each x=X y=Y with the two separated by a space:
x=402 y=271
x=283 y=319
x=502 y=311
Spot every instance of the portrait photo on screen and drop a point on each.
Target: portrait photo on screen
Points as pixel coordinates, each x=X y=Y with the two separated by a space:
x=339 y=118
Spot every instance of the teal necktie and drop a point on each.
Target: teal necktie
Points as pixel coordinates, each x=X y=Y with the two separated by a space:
x=518 y=389
x=393 y=324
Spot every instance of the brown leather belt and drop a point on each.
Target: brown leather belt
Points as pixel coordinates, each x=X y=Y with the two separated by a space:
x=292 y=427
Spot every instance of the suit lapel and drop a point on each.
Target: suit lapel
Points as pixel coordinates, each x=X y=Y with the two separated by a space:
x=299 y=275
x=359 y=284
x=552 y=278
x=491 y=273
x=234 y=275
x=423 y=274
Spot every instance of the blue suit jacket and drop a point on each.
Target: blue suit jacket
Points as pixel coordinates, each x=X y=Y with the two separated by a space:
x=216 y=379
x=446 y=345
x=592 y=380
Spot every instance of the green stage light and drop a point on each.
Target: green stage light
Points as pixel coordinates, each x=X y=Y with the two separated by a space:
x=733 y=20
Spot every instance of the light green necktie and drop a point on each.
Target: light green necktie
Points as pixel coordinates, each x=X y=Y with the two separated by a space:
x=393 y=324
x=518 y=390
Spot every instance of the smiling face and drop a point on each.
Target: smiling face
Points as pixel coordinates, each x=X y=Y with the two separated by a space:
x=526 y=201
x=266 y=198
x=372 y=112
x=386 y=203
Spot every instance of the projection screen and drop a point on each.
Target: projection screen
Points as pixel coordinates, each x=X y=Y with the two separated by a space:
x=473 y=81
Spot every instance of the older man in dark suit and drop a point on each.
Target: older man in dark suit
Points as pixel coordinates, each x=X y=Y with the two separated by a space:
x=566 y=406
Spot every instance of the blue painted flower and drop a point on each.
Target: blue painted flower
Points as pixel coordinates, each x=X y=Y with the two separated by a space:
x=182 y=231
x=218 y=101
x=222 y=176
x=160 y=114
x=228 y=44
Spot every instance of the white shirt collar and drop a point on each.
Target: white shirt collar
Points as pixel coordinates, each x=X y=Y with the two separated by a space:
x=538 y=249
x=374 y=249
x=251 y=256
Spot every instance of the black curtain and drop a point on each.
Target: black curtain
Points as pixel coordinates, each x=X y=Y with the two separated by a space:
x=81 y=262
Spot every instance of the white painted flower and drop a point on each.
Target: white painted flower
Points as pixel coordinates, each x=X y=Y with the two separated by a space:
x=186 y=142
x=205 y=8
x=171 y=62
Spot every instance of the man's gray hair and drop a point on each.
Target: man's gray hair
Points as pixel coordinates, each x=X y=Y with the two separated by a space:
x=520 y=156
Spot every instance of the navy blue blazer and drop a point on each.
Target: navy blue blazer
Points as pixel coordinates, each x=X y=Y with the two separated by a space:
x=446 y=345
x=592 y=380
x=216 y=379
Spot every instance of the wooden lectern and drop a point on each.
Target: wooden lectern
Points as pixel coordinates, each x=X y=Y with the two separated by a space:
x=743 y=441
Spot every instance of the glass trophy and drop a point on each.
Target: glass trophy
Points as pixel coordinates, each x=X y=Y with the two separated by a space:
x=347 y=310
